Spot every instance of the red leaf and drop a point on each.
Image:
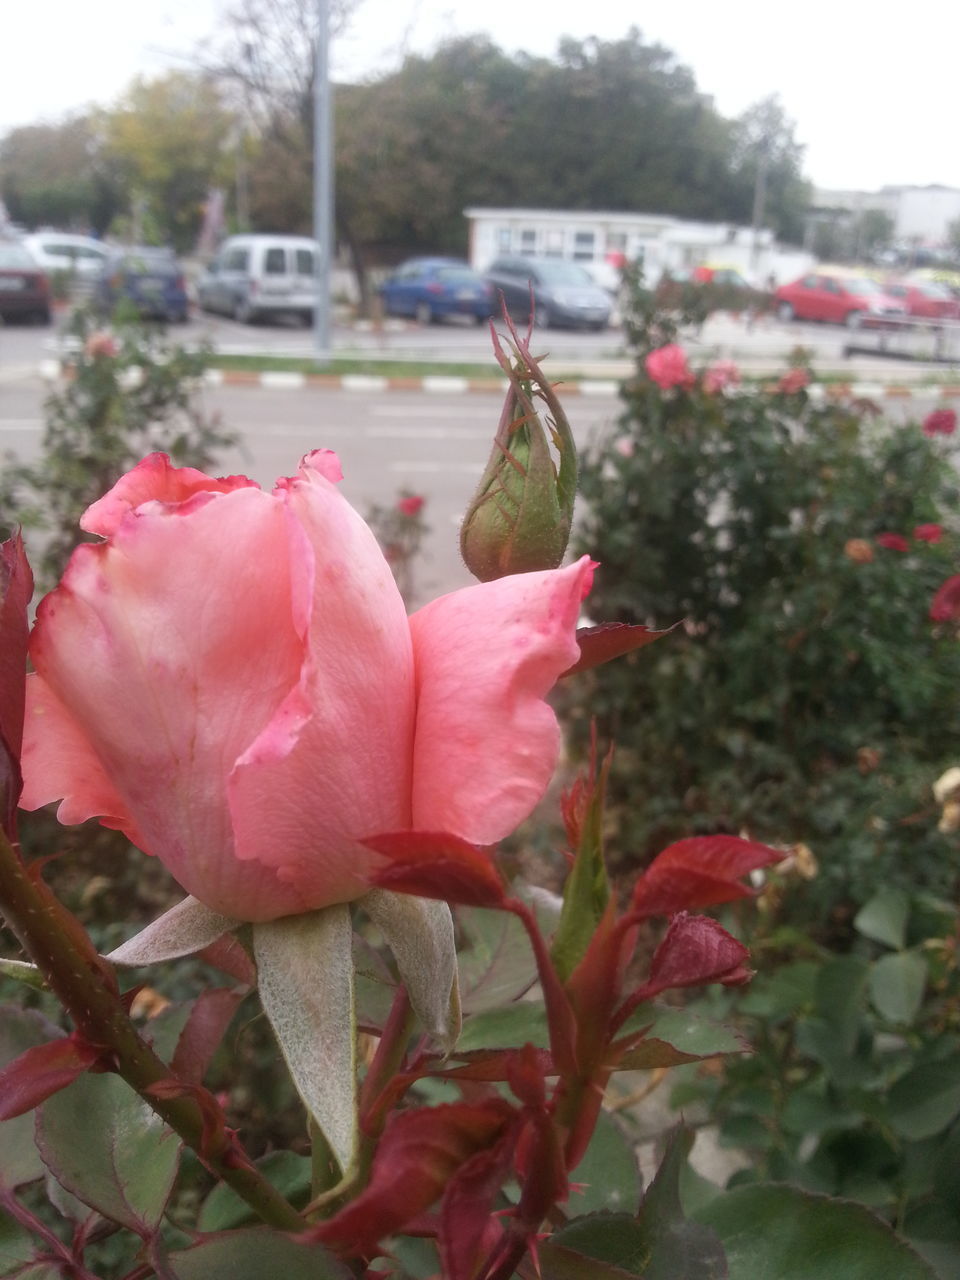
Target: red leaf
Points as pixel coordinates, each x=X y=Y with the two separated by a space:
x=436 y=864
x=490 y=1065
x=694 y=950
x=699 y=872
x=199 y=1040
x=229 y=956
x=419 y=1153
x=468 y=1233
x=42 y=1071
x=610 y=640
x=16 y=588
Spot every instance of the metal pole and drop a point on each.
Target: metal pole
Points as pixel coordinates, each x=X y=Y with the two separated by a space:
x=322 y=184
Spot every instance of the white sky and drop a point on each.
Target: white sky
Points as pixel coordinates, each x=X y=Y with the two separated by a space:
x=872 y=88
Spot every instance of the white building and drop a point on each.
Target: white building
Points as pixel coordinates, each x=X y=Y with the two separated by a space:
x=659 y=241
x=920 y=215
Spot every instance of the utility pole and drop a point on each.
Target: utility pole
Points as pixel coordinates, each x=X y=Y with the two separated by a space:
x=759 y=203
x=322 y=184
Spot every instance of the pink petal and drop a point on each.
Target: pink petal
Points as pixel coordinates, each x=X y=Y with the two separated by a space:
x=151 y=644
x=486 y=656
x=333 y=765
x=153 y=480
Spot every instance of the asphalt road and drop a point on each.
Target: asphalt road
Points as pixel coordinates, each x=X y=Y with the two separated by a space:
x=434 y=445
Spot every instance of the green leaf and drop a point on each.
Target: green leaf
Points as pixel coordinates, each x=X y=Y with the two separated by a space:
x=20 y=1029
x=841 y=984
x=926 y=1100
x=587 y=888
x=677 y=1036
x=557 y=1262
x=616 y=1238
x=16 y=1245
x=184 y=929
x=109 y=1149
x=608 y=1176
x=777 y=1232
x=254 y=1254
x=305 y=976
x=497 y=965
x=897 y=983
x=419 y=932
x=509 y=1028
x=289 y=1173
x=884 y=918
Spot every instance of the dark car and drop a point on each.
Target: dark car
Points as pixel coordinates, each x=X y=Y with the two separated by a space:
x=564 y=293
x=147 y=279
x=429 y=289
x=24 y=287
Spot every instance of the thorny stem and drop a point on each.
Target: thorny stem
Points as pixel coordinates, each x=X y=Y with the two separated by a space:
x=55 y=941
x=20 y=1213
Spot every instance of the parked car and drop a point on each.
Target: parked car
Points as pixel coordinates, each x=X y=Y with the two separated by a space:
x=148 y=279
x=255 y=276
x=712 y=273
x=563 y=292
x=925 y=299
x=430 y=289
x=59 y=251
x=24 y=287
x=837 y=299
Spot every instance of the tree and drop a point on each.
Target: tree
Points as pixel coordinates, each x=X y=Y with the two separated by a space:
x=872 y=230
x=768 y=158
x=57 y=174
x=169 y=138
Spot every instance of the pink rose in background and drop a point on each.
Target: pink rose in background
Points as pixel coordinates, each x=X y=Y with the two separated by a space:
x=940 y=422
x=945 y=606
x=625 y=446
x=892 y=541
x=794 y=381
x=928 y=532
x=721 y=375
x=667 y=367
x=101 y=344
x=411 y=506
x=230 y=679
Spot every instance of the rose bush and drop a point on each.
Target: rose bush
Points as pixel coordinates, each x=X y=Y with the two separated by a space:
x=230 y=679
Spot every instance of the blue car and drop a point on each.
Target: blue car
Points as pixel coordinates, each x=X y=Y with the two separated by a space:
x=430 y=289
x=150 y=280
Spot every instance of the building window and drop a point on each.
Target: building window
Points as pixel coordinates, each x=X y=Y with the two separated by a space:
x=528 y=241
x=583 y=246
x=504 y=240
x=616 y=242
x=555 y=243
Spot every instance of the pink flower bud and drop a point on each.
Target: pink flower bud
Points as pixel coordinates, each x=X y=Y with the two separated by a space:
x=892 y=541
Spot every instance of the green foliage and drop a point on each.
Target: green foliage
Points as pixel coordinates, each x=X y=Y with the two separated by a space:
x=806 y=698
x=122 y=402
x=853 y=1089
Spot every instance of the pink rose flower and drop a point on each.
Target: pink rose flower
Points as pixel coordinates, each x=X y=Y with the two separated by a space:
x=667 y=367
x=945 y=606
x=928 y=532
x=625 y=446
x=101 y=344
x=411 y=506
x=794 y=381
x=720 y=375
x=230 y=679
x=940 y=422
x=892 y=541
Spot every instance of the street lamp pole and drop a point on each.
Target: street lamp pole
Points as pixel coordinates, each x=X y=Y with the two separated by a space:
x=322 y=184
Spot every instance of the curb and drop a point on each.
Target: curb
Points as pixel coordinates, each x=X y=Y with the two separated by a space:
x=441 y=384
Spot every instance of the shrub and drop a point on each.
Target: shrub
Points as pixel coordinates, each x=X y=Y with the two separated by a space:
x=804 y=696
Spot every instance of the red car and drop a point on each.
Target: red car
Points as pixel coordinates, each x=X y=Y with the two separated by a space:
x=925 y=299
x=24 y=287
x=837 y=299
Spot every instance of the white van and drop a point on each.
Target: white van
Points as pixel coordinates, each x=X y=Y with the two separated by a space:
x=256 y=276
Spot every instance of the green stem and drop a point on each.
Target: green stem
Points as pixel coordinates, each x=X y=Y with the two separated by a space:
x=63 y=953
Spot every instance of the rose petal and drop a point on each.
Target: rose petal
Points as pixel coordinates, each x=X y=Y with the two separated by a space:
x=153 y=480
x=486 y=656
x=149 y=643
x=339 y=749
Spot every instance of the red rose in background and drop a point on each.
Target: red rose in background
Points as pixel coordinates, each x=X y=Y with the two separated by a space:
x=928 y=532
x=667 y=367
x=892 y=541
x=941 y=422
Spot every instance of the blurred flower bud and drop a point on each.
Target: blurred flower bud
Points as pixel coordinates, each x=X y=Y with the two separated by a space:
x=101 y=344
x=947 y=786
x=519 y=519
x=411 y=505
x=858 y=550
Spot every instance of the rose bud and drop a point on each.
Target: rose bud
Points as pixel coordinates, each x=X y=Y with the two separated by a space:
x=519 y=519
